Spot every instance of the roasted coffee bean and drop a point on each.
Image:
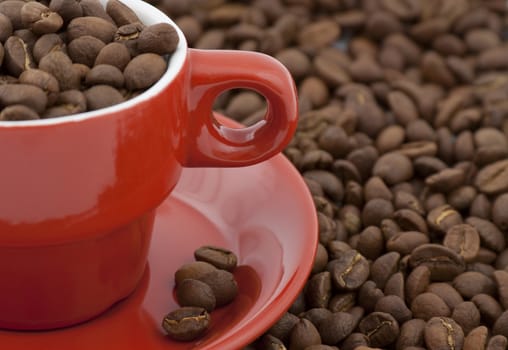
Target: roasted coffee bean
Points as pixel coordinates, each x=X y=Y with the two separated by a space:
x=161 y=39
x=18 y=112
x=490 y=309
x=501 y=325
x=471 y=283
x=501 y=279
x=85 y=49
x=219 y=257
x=384 y=267
x=60 y=66
x=67 y=9
x=410 y=220
x=464 y=240
x=105 y=74
x=193 y=270
x=93 y=26
x=492 y=178
x=318 y=290
x=303 y=334
x=317 y=316
x=23 y=94
x=270 y=342
x=102 y=96
x=17 y=57
x=428 y=305
x=342 y=302
x=370 y=242
x=223 y=285
x=490 y=236
x=282 y=328
x=405 y=242
x=40 y=19
x=192 y=292
x=446 y=292
x=186 y=323
x=120 y=13
x=442 y=218
x=336 y=327
x=417 y=282
x=143 y=71
x=443 y=333
x=411 y=334
x=467 y=315
x=476 y=339
x=381 y=329
x=43 y=80
x=394 y=306
x=369 y=295
x=444 y=264
x=349 y=271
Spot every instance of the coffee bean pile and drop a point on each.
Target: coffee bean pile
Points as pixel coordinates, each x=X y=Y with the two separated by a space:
x=402 y=141
x=201 y=286
x=62 y=57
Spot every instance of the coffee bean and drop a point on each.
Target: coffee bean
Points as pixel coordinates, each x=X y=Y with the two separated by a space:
x=467 y=316
x=105 y=74
x=193 y=270
x=93 y=26
x=18 y=112
x=410 y=220
x=471 y=283
x=85 y=49
x=411 y=334
x=349 y=271
x=336 y=327
x=43 y=80
x=491 y=179
x=394 y=306
x=23 y=94
x=303 y=334
x=370 y=242
x=186 y=323
x=17 y=56
x=318 y=290
x=383 y=268
x=405 y=242
x=476 y=339
x=67 y=9
x=428 y=305
x=446 y=292
x=443 y=333
x=442 y=218
x=501 y=279
x=143 y=71
x=161 y=39
x=102 y=96
x=217 y=256
x=369 y=295
x=60 y=66
x=192 y=292
x=40 y=19
x=120 y=13
x=223 y=285
x=501 y=325
x=444 y=264
x=384 y=165
x=270 y=342
x=490 y=309
x=343 y=302
x=490 y=236
x=282 y=328
x=381 y=329
x=464 y=240
x=317 y=316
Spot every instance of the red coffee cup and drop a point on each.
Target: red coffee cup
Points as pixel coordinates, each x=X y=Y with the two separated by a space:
x=78 y=194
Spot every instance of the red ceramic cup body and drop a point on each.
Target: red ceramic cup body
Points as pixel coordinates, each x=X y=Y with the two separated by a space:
x=78 y=194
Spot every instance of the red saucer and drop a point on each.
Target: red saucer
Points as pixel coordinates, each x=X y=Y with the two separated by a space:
x=263 y=213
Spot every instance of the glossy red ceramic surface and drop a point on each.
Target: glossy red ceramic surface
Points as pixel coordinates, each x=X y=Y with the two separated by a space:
x=77 y=194
x=262 y=212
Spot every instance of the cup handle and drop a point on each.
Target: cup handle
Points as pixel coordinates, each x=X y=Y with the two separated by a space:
x=213 y=144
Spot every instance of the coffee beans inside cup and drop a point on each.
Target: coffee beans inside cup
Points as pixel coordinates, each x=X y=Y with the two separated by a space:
x=201 y=286
x=402 y=142
x=63 y=57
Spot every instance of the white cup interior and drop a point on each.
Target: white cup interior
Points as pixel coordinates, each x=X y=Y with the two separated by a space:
x=148 y=15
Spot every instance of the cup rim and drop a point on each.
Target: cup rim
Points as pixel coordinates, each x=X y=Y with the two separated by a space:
x=148 y=14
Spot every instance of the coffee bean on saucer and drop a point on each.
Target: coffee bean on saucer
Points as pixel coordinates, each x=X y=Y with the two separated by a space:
x=193 y=270
x=186 y=323
x=219 y=257
x=223 y=285
x=191 y=292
